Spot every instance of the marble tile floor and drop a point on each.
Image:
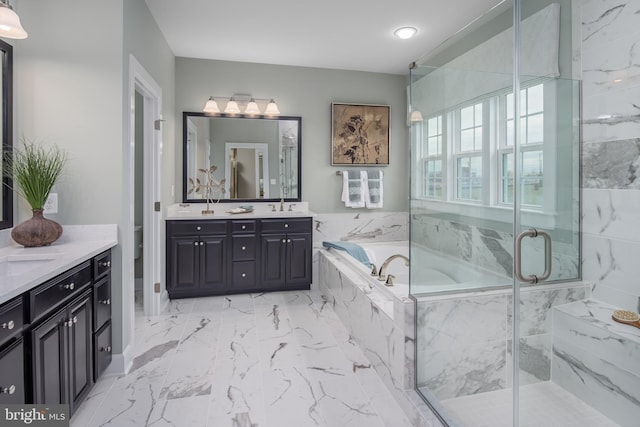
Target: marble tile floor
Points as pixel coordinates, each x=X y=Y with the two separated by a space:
x=542 y=404
x=279 y=359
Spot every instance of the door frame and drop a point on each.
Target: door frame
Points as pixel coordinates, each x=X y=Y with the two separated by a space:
x=141 y=81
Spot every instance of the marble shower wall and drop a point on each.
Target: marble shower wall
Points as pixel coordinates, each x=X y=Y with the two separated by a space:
x=611 y=150
x=490 y=248
x=464 y=341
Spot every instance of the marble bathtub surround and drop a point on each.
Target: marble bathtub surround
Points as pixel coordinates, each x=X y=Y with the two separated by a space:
x=259 y=360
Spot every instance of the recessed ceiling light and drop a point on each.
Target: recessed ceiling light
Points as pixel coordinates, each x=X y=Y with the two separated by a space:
x=405 y=32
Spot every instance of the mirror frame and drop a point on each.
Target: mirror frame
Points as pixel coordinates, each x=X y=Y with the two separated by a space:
x=6 y=52
x=185 y=178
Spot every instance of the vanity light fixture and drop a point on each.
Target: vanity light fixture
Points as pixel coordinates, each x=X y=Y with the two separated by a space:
x=405 y=32
x=10 y=26
x=272 y=109
x=211 y=106
x=241 y=103
x=232 y=106
x=252 y=107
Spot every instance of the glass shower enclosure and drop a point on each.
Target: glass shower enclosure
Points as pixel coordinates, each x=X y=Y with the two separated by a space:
x=495 y=216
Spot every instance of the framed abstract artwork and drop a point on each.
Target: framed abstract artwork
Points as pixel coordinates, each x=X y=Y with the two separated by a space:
x=359 y=134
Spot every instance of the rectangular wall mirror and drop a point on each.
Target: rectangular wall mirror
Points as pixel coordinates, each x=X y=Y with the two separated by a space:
x=255 y=158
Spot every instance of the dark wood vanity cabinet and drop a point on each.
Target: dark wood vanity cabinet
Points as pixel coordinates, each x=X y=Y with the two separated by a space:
x=50 y=337
x=251 y=255
x=196 y=258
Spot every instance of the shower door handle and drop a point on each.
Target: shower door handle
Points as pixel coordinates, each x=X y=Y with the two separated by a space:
x=547 y=256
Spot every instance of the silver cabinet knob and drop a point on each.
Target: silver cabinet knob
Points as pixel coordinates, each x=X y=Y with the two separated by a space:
x=106 y=349
x=68 y=323
x=105 y=301
x=8 y=325
x=244 y=274
x=69 y=286
x=198 y=228
x=195 y=243
x=284 y=240
x=244 y=248
x=201 y=243
x=75 y=320
x=288 y=240
x=286 y=226
x=8 y=390
x=105 y=264
x=244 y=227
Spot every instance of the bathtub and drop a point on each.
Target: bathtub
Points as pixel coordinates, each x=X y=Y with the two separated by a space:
x=432 y=272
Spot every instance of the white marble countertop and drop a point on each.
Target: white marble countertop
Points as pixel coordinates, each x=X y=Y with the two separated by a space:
x=221 y=211
x=22 y=269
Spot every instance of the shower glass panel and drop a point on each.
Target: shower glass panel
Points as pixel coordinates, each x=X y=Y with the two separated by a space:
x=492 y=156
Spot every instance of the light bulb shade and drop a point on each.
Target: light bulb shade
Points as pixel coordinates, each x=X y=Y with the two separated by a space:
x=232 y=107
x=10 y=26
x=272 y=109
x=211 y=106
x=405 y=32
x=416 y=116
x=252 y=107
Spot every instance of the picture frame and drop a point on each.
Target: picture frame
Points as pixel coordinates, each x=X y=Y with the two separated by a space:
x=359 y=134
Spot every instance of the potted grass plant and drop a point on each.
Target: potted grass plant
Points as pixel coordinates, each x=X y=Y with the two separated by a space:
x=34 y=170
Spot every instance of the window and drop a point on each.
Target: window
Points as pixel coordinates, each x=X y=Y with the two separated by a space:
x=471 y=147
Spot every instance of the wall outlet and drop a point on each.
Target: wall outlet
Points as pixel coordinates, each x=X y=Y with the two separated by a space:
x=272 y=181
x=51 y=205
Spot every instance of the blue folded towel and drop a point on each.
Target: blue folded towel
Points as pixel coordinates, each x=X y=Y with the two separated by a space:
x=352 y=249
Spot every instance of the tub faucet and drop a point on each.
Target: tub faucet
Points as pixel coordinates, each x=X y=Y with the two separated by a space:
x=383 y=269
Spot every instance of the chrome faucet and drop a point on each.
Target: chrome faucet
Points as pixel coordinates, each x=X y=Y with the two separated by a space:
x=281 y=204
x=273 y=207
x=383 y=269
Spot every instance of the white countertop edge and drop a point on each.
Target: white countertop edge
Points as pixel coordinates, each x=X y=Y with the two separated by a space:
x=76 y=245
x=251 y=215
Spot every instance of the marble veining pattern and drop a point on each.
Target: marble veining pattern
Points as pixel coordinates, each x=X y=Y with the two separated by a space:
x=273 y=359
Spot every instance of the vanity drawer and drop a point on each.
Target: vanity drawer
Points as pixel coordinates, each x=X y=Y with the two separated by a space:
x=248 y=226
x=101 y=303
x=289 y=225
x=244 y=247
x=244 y=275
x=48 y=296
x=101 y=264
x=198 y=227
x=102 y=350
x=11 y=319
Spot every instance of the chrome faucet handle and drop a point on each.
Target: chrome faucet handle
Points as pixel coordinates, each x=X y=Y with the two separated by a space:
x=282 y=205
x=273 y=207
x=374 y=270
x=291 y=207
x=389 y=281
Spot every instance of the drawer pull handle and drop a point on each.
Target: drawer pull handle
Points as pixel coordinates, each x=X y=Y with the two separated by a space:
x=105 y=264
x=106 y=349
x=8 y=325
x=8 y=390
x=198 y=228
x=286 y=226
x=195 y=243
x=244 y=227
x=70 y=286
x=105 y=301
x=288 y=240
x=244 y=274
x=201 y=243
x=284 y=240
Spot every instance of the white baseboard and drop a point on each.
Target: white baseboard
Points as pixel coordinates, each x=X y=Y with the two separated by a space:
x=120 y=363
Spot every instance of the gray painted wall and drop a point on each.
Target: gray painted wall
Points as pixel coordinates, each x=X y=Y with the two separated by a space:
x=305 y=92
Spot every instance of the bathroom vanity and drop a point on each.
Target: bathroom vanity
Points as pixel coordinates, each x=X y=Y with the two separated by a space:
x=230 y=254
x=55 y=320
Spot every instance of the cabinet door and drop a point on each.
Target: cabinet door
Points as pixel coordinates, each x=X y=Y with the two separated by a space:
x=80 y=350
x=213 y=260
x=298 y=260
x=12 y=374
x=49 y=356
x=183 y=264
x=272 y=265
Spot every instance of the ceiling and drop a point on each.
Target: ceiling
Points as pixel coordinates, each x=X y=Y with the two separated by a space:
x=339 y=34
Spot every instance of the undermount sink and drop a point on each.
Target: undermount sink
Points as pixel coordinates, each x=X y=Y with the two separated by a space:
x=15 y=265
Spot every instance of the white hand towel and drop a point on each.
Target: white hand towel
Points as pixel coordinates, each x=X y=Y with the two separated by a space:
x=353 y=189
x=374 y=190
